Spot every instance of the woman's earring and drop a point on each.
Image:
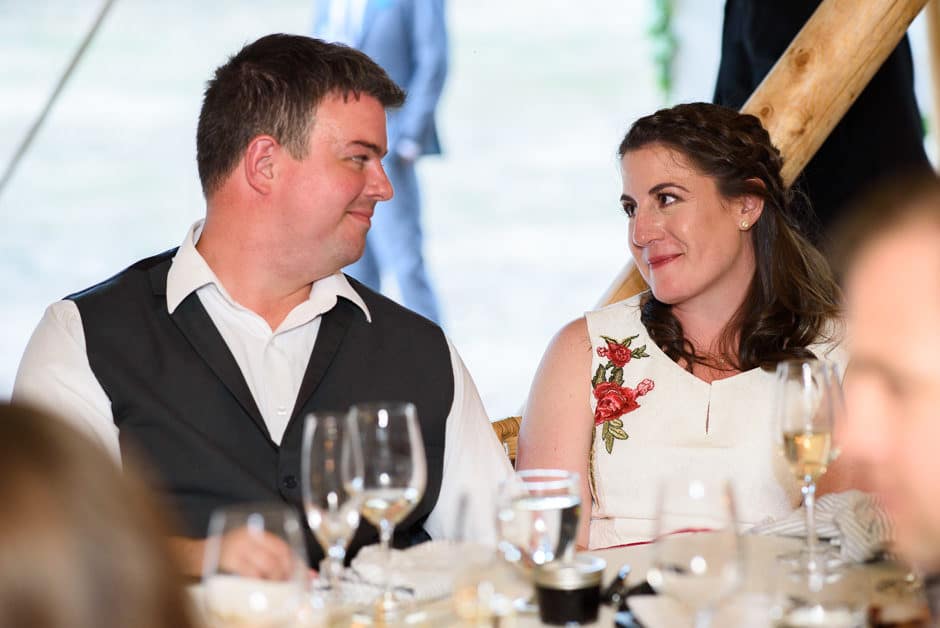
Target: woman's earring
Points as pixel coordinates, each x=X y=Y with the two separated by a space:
x=744 y=225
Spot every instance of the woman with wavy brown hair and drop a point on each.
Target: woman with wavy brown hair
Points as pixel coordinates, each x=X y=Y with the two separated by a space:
x=81 y=546
x=679 y=380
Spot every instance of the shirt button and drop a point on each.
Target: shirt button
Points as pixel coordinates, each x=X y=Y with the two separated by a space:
x=281 y=411
x=290 y=482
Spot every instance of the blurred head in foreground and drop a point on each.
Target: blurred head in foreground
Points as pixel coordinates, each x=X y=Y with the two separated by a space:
x=80 y=544
x=891 y=269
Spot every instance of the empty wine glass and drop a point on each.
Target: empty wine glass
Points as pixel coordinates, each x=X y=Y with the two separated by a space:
x=394 y=473
x=696 y=556
x=331 y=471
x=808 y=393
x=538 y=512
x=255 y=567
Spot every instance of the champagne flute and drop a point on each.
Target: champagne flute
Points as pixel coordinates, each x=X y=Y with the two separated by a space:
x=394 y=473
x=331 y=471
x=537 y=515
x=806 y=397
x=696 y=555
x=255 y=567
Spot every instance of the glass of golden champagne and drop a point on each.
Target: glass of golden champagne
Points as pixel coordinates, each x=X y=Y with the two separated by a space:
x=394 y=477
x=807 y=394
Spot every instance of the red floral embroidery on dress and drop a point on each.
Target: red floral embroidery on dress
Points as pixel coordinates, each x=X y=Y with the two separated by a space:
x=613 y=398
x=617 y=353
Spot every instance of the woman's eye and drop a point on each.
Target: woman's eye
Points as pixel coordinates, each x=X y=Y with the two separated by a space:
x=629 y=209
x=666 y=199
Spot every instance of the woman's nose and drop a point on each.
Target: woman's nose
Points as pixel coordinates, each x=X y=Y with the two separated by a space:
x=646 y=227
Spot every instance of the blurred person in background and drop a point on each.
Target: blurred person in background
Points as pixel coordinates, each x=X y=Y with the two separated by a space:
x=81 y=545
x=408 y=38
x=880 y=135
x=890 y=250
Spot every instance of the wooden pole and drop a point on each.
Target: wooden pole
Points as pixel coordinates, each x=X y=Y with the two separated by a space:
x=824 y=70
x=819 y=76
x=932 y=13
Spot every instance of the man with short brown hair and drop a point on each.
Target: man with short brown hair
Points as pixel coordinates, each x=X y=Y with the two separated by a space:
x=205 y=359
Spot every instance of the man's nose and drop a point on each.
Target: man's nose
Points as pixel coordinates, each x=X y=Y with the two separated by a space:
x=379 y=185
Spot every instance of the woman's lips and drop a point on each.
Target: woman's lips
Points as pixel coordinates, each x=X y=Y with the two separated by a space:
x=660 y=260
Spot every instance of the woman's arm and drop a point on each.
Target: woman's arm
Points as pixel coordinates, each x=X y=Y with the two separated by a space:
x=557 y=423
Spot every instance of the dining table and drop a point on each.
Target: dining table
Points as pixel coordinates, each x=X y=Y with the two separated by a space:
x=882 y=588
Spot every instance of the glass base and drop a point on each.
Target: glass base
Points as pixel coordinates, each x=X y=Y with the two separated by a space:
x=410 y=617
x=385 y=611
x=826 y=556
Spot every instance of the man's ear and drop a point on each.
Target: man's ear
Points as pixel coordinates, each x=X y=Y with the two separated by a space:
x=260 y=157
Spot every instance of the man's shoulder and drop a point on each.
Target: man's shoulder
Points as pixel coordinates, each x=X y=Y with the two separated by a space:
x=139 y=270
x=385 y=311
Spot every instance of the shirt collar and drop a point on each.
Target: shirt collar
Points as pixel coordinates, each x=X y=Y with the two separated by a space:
x=190 y=272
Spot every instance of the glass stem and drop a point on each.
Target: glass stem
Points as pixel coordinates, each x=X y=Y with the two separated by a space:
x=809 y=500
x=334 y=566
x=385 y=539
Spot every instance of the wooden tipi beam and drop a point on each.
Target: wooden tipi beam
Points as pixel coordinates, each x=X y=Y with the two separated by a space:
x=806 y=93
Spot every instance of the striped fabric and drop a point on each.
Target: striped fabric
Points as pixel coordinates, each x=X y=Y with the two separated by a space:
x=853 y=520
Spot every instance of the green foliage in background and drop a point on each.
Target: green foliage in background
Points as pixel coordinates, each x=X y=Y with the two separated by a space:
x=664 y=44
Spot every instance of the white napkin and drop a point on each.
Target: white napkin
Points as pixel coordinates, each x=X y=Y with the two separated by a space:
x=427 y=571
x=852 y=519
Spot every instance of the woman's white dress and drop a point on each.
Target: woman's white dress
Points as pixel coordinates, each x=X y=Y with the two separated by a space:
x=655 y=420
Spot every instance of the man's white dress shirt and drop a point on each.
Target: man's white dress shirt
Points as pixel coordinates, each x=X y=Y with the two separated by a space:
x=55 y=375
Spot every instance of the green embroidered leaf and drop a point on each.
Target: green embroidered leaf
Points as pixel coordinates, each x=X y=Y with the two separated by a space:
x=618 y=433
x=615 y=423
x=609 y=444
x=626 y=341
x=640 y=352
x=616 y=375
x=599 y=375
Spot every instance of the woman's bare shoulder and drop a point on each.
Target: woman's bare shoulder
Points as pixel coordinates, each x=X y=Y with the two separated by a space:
x=573 y=338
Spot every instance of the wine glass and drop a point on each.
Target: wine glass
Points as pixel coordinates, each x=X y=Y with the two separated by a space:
x=696 y=557
x=807 y=394
x=255 y=567
x=332 y=470
x=394 y=473
x=537 y=517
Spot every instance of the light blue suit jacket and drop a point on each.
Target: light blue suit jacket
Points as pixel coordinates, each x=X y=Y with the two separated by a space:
x=408 y=38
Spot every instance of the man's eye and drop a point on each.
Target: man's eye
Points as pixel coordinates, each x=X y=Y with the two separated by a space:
x=629 y=209
x=360 y=159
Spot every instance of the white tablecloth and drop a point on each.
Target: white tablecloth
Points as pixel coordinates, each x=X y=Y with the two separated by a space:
x=747 y=608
